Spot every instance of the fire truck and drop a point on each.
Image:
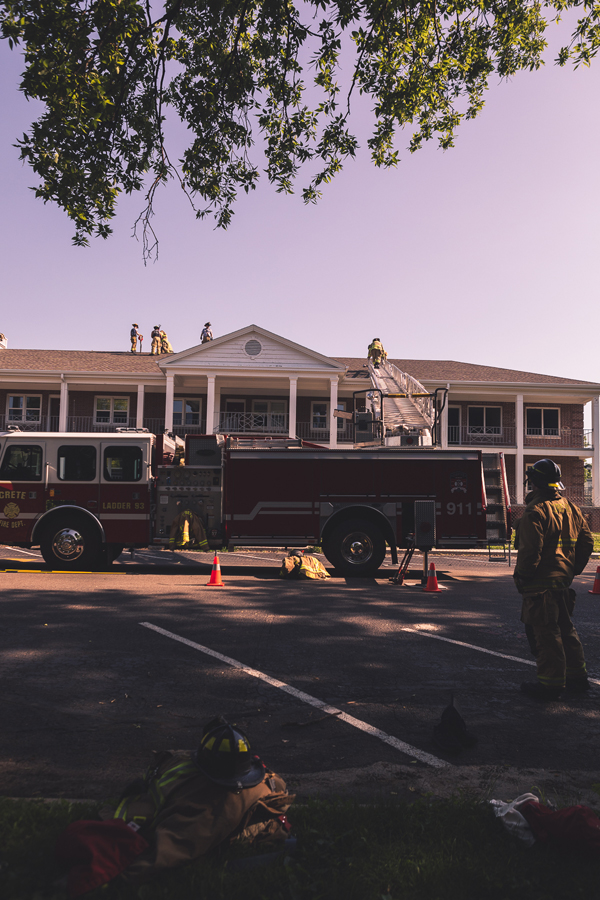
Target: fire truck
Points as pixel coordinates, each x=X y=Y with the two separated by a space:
x=82 y=498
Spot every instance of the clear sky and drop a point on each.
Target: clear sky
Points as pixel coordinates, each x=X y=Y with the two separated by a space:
x=487 y=253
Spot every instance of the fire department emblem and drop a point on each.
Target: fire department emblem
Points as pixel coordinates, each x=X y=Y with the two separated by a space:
x=458 y=482
x=11 y=510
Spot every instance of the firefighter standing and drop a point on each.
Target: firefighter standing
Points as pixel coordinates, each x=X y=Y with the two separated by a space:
x=134 y=334
x=156 y=341
x=376 y=352
x=165 y=344
x=207 y=334
x=554 y=544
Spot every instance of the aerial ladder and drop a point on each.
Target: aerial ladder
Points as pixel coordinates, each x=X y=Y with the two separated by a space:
x=405 y=408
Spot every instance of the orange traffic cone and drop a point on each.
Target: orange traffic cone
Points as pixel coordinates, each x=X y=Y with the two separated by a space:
x=432 y=583
x=215 y=575
x=596 y=589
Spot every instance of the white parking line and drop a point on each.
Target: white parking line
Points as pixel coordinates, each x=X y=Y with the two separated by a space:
x=438 y=637
x=20 y=550
x=306 y=698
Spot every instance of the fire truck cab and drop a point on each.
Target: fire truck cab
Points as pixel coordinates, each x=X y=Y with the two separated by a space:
x=80 y=497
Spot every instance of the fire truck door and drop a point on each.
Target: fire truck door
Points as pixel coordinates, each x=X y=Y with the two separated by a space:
x=22 y=481
x=124 y=504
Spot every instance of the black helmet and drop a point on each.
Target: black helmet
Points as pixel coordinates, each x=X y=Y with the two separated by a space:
x=207 y=324
x=224 y=756
x=545 y=473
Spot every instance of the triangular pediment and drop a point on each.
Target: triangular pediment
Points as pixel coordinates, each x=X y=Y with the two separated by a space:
x=251 y=348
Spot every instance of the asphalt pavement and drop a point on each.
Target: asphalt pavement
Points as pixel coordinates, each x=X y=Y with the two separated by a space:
x=100 y=669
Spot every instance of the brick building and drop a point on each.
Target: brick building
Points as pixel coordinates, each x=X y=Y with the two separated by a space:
x=255 y=382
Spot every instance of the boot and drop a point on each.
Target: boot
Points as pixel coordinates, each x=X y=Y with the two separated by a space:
x=539 y=691
x=579 y=685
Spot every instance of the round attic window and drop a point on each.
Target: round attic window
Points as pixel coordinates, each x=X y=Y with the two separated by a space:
x=253 y=348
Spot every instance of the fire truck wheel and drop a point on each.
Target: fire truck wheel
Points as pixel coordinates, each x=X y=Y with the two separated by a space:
x=114 y=551
x=71 y=543
x=355 y=548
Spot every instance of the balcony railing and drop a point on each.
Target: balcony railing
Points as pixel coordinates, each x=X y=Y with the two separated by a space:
x=565 y=438
x=89 y=423
x=45 y=423
x=465 y=435
x=255 y=423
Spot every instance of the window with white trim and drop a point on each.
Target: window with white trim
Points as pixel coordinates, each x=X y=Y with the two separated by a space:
x=24 y=407
x=319 y=415
x=111 y=410
x=454 y=424
x=542 y=422
x=187 y=411
x=485 y=420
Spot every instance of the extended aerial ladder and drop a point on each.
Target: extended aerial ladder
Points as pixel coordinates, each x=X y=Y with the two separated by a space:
x=408 y=411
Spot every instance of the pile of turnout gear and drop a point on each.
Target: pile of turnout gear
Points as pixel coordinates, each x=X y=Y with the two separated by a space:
x=188 y=804
x=298 y=565
x=187 y=531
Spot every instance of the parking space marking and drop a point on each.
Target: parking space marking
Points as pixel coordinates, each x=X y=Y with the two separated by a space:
x=307 y=698
x=438 y=637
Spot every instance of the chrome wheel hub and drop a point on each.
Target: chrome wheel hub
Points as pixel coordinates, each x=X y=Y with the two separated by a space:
x=357 y=548
x=68 y=544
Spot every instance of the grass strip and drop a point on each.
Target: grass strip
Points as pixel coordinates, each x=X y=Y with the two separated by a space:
x=429 y=850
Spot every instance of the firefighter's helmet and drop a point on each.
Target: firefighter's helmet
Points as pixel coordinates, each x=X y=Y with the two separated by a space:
x=296 y=553
x=545 y=473
x=225 y=756
x=207 y=324
x=135 y=325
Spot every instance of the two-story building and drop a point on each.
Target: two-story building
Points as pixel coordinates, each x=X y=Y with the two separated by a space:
x=254 y=382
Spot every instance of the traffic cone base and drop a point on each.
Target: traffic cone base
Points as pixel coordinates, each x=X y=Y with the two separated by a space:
x=596 y=588
x=432 y=586
x=215 y=575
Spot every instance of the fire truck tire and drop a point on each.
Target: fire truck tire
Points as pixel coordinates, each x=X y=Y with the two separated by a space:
x=70 y=542
x=114 y=551
x=355 y=548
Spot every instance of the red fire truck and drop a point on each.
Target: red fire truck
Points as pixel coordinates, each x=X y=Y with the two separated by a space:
x=84 y=497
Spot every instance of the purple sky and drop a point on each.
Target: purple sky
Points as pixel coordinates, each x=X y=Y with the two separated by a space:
x=486 y=253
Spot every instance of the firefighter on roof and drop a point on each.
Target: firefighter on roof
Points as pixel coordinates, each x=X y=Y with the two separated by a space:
x=134 y=334
x=207 y=334
x=376 y=352
x=156 y=341
x=554 y=543
x=165 y=344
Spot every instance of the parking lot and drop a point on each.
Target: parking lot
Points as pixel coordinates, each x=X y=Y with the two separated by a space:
x=346 y=675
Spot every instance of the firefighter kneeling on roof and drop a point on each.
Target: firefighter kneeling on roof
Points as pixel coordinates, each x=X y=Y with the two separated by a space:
x=188 y=804
x=297 y=565
x=187 y=531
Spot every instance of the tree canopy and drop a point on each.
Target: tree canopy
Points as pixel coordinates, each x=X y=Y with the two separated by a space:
x=251 y=79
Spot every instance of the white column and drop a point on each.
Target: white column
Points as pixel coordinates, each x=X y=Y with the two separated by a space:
x=169 y=402
x=596 y=451
x=520 y=455
x=210 y=405
x=64 y=406
x=444 y=421
x=293 y=403
x=139 y=419
x=333 y=401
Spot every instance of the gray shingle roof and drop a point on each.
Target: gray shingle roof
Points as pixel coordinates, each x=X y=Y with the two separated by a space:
x=78 y=361
x=444 y=370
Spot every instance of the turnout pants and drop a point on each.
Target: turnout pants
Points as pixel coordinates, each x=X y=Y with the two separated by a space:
x=552 y=636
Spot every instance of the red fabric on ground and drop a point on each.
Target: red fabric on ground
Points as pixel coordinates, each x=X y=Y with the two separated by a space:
x=96 y=852
x=575 y=829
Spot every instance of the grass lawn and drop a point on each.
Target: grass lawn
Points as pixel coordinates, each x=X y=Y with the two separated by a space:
x=431 y=850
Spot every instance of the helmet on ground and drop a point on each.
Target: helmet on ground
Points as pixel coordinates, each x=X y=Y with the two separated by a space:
x=296 y=553
x=545 y=473
x=225 y=756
